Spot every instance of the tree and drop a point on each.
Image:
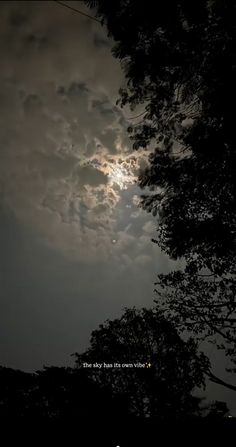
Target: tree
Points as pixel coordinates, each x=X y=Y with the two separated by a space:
x=180 y=64
x=204 y=306
x=167 y=368
x=14 y=393
x=217 y=410
x=57 y=395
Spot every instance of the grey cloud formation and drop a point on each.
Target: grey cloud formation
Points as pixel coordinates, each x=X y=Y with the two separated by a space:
x=61 y=129
x=67 y=170
x=65 y=154
x=88 y=175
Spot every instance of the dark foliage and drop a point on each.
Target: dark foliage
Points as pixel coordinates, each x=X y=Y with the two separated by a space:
x=55 y=394
x=111 y=402
x=179 y=59
x=164 y=389
x=180 y=63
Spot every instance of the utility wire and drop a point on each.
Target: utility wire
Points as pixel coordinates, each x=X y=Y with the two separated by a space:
x=78 y=11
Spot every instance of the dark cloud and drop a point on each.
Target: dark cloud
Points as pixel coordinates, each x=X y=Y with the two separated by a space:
x=75 y=88
x=88 y=175
x=38 y=42
x=31 y=102
x=100 y=41
x=17 y=19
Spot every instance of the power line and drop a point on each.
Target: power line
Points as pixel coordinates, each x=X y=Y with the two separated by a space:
x=78 y=11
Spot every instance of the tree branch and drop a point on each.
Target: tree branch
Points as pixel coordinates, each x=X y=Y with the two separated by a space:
x=219 y=381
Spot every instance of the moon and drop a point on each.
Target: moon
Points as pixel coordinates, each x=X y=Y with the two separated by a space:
x=120 y=176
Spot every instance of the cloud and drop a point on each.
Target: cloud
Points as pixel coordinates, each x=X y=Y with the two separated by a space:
x=143 y=259
x=88 y=175
x=149 y=227
x=65 y=155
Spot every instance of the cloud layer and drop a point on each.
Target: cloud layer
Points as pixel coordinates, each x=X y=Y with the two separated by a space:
x=65 y=155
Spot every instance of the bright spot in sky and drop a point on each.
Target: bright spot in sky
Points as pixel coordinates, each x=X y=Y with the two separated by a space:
x=120 y=176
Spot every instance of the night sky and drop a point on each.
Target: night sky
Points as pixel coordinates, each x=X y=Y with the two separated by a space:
x=75 y=248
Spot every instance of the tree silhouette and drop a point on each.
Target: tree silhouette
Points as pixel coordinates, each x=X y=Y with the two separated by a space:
x=217 y=410
x=147 y=378
x=203 y=305
x=180 y=65
x=14 y=393
x=171 y=368
x=59 y=395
